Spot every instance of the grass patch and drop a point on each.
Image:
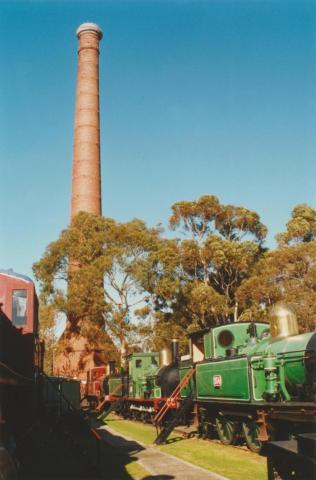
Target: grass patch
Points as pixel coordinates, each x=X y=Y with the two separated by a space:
x=136 y=471
x=141 y=433
x=233 y=463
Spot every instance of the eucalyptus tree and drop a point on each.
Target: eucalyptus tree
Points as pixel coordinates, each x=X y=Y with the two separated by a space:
x=287 y=273
x=94 y=273
x=200 y=271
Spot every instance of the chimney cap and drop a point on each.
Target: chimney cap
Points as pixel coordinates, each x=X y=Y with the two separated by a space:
x=89 y=27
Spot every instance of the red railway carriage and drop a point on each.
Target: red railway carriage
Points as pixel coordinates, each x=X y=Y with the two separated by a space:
x=19 y=342
x=21 y=356
x=19 y=301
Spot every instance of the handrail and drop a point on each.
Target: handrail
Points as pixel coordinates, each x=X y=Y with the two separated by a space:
x=117 y=388
x=17 y=374
x=100 y=405
x=184 y=382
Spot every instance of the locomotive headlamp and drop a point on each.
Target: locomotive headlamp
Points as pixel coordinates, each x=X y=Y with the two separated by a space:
x=283 y=321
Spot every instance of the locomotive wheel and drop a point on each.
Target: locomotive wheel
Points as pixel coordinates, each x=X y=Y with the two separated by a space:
x=251 y=434
x=144 y=417
x=226 y=430
x=204 y=430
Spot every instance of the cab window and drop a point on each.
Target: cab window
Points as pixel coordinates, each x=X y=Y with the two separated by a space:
x=19 y=304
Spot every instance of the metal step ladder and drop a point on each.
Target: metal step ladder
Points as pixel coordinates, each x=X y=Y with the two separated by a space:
x=187 y=403
x=185 y=408
x=114 y=404
x=113 y=407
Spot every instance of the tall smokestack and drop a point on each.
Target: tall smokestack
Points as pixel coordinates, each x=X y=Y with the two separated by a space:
x=86 y=173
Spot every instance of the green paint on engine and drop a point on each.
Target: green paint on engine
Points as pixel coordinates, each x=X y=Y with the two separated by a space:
x=190 y=388
x=235 y=335
x=226 y=379
x=143 y=368
x=241 y=362
x=290 y=371
x=115 y=387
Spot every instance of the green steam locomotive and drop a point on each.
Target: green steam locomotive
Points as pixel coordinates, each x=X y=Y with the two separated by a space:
x=253 y=381
x=147 y=384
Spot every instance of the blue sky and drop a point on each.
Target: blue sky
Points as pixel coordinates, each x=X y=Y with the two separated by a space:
x=212 y=97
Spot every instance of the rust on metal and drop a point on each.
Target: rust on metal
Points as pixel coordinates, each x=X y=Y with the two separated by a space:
x=263 y=430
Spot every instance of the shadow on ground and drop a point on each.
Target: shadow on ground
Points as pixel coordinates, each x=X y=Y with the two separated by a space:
x=174 y=440
x=126 y=448
x=65 y=451
x=158 y=477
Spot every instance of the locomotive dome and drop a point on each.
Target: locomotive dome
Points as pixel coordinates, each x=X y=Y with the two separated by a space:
x=283 y=320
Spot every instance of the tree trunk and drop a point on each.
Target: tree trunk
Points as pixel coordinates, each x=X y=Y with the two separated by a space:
x=75 y=355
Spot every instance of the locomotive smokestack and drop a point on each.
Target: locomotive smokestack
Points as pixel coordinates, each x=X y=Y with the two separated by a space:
x=175 y=350
x=86 y=176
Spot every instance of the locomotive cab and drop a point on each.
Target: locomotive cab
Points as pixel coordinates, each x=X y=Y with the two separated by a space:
x=197 y=346
x=230 y=340
x=142 y=370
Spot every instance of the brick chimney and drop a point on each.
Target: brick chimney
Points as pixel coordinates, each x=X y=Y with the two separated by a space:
x=86 y=173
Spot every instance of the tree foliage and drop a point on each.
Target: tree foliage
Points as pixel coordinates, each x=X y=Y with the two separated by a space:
x=206 y=215
x=301 y=226
x=104 y=264
x=75 y=260
x=199 y=273
x=287 y=273
x=47 y=324
x=128 y=287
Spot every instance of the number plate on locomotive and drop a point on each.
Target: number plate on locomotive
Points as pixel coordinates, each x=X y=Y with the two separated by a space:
x=217 y=381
